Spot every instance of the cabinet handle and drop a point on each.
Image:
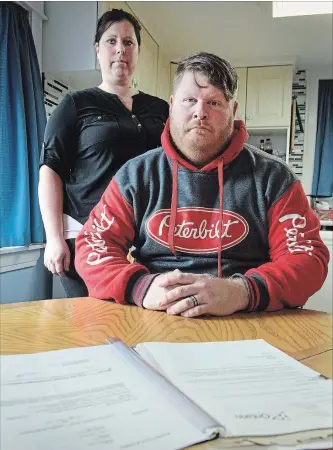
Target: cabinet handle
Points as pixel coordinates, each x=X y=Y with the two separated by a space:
x=248 y=117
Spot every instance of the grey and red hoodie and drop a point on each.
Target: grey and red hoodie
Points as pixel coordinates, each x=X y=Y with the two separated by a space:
x=242 y=215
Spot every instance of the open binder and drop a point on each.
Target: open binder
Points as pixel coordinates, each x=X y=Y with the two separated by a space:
x=160 y=396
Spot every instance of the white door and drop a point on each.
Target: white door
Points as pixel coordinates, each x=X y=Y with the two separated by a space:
x=268 y=101
x=241 y=92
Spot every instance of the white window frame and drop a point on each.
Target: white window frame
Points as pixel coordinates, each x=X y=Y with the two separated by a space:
x=21 y=257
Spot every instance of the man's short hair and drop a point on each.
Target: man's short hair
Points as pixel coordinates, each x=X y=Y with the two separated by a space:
x=217 y=70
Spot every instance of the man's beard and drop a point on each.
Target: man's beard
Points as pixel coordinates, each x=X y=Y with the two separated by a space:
x=195 y=147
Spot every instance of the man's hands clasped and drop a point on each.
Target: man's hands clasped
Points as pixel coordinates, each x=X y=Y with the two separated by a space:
x=194 y=295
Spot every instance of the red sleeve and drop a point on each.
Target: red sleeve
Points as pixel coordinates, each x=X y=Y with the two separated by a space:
x=299 y=258
x=102 y=247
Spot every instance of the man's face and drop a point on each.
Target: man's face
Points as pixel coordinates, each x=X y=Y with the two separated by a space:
x=201 y=119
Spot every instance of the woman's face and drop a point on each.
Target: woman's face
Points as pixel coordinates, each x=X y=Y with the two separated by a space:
x=118 y=52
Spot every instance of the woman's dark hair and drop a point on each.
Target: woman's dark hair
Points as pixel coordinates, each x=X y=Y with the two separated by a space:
x=218 y=71
x=116 y=15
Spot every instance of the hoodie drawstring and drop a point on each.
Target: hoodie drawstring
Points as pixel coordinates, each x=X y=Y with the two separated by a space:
x=219 y=253
x=173 y=215
x=229 y=154
x=174 y=200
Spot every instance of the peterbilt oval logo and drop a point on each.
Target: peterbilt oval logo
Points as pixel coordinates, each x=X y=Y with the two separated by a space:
x=197 y=229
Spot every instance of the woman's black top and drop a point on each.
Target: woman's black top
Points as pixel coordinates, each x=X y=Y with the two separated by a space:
x=91 y=134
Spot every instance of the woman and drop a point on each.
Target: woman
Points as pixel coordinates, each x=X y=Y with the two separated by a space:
x=89 y=136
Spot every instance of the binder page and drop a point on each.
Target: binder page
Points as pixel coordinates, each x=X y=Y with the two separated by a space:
x=85 y=398
x=250 y=387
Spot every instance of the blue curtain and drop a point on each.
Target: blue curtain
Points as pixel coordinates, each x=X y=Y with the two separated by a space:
x=322 y=183
x=22 y=123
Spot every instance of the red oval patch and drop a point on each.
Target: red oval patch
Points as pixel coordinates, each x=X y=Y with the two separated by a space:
x=197 y=229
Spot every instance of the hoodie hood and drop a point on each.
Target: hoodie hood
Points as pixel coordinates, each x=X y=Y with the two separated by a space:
x=238 y=139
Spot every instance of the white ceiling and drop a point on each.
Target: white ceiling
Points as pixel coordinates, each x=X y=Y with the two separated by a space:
x=244 y=32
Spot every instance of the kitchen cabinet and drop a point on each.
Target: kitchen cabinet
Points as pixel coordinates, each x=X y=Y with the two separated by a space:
x=268 y=96
x=279 y=136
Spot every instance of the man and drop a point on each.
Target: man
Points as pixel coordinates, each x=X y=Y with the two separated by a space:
x=218 y=225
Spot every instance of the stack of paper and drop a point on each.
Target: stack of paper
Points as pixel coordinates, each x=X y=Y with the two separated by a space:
x=163 y=396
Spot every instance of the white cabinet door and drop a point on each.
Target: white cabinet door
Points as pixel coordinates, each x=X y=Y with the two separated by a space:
x=163 y=76
x=268 y=101
x=241 y=92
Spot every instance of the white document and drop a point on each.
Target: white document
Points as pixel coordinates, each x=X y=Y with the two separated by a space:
x=250 y=387
x=88 y=398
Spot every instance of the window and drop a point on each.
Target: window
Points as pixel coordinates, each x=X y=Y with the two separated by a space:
x=322 y=183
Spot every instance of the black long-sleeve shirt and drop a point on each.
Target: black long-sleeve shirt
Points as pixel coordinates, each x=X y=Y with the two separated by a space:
x=91 y=134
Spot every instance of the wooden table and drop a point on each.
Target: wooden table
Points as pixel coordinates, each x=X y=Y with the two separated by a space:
x=56 y=324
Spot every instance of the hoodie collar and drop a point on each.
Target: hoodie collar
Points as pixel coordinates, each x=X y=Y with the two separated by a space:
x=238 y=139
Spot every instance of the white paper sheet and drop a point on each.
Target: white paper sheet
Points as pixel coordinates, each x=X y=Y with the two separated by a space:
x=85 y=398
x=250 y=387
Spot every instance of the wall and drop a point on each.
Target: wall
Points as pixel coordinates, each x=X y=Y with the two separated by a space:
x=37 y=32
x=36 y=12
x=313 y=75
x=69 y=33
x=78 y=79
x=23 y=285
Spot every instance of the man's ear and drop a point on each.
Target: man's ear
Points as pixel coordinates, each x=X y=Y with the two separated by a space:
x=97 y=48
x=170 y=103
x=235 y=108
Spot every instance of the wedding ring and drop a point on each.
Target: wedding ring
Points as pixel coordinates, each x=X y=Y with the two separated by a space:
x=194 y=300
